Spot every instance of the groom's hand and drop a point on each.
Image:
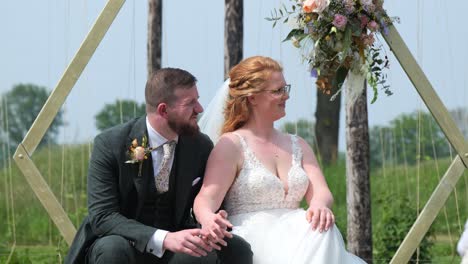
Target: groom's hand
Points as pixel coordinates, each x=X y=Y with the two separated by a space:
x=187 y=241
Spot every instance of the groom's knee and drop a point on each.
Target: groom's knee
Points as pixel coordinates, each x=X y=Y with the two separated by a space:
x=111 y=249
x=237 y=251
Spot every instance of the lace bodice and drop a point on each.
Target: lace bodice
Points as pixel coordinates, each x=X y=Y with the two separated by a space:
x=256 y=188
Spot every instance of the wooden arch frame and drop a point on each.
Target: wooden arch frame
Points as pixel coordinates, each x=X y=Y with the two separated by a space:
x=50 y=109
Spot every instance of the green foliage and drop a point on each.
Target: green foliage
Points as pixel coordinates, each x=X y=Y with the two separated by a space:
x=397 y=218
x=117 y=113
x=398 y=142
x=20 y=107
x=16 y=258
x=64 y=168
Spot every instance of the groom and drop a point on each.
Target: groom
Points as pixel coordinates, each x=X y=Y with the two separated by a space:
x=143 y=177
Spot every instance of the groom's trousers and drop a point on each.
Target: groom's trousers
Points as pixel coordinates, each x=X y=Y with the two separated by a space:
x=116 y=249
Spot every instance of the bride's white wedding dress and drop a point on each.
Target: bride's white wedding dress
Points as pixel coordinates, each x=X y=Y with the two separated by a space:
x=270 y=218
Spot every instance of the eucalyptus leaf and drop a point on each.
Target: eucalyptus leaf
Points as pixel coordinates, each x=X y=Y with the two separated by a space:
x=376 y=92
x=295 y=32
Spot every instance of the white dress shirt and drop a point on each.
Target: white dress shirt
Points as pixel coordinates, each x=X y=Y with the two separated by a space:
x=155 y=140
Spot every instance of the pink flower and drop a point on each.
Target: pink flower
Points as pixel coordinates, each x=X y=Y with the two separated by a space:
x=364 y=21
x=316 y=6
x=139 y=153
x=340 y=21
x=368 y=40
x=373 y=26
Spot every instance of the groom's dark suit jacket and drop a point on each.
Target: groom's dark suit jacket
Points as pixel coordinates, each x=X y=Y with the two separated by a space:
x=116 y=192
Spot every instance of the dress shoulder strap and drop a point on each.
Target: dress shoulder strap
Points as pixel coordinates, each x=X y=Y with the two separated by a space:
x=242 y=141
x=249 y=158
x=296 y=150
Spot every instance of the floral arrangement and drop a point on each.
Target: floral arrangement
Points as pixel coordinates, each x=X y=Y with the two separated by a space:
x=337 y=36
x=139 y=153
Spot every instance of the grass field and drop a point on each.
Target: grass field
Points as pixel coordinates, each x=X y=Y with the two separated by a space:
x=38 y=241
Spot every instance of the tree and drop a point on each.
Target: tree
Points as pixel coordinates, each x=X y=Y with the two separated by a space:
x=117 y=113
x=460 y=116
x=20 y=107
x=327 y=114
x=233 y=33
x=397 y=143
x=154 y=35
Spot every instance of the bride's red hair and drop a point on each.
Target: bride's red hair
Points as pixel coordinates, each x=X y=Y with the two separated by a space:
x=248 y=77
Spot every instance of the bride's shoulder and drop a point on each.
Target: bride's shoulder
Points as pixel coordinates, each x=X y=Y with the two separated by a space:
x=229 y=140
x=228 y=147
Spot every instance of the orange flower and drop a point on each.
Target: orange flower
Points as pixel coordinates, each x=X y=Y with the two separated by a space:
x=309 y=6
x=316 y=6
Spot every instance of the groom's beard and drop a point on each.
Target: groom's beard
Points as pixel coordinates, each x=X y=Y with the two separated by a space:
x=182 y=127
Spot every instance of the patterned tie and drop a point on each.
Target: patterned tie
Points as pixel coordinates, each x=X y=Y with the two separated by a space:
x=162 y=178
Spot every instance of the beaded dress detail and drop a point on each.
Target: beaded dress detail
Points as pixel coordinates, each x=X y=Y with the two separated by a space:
x=266 y=213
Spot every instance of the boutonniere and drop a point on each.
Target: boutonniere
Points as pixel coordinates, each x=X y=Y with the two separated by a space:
x=139 y=153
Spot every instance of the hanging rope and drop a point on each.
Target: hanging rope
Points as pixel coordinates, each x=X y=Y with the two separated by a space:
x=259 y=43
x=5 y=164
x=405 y=161
x=436 y=163
x=132 y=63
x=394 y=162
x=418 y=170
x=10 y=183
x=418 y=151
x=49 y=179
x=165 y=60
x=382 y=151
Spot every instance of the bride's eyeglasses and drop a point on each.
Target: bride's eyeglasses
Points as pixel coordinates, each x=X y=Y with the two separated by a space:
x=280 y=91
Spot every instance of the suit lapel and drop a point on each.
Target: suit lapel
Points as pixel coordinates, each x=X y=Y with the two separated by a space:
x=185 y=160
x=140 y=182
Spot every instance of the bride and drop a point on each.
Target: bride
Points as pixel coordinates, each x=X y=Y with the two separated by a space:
x=262 y=174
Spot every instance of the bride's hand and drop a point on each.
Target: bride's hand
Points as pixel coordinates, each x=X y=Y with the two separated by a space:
x=214 y=227
x=320 y=216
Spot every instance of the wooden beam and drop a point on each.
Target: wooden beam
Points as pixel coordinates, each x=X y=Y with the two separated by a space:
x=427 y=93
x=429 y=212
x=45 y=194
x=48 y=112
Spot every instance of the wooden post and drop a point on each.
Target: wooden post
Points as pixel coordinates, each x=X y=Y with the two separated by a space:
x=233 y=34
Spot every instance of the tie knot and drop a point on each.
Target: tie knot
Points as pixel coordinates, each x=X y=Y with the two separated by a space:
x=168 y=147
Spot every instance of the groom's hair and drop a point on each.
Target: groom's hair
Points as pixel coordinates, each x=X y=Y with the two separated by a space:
x=162 y=84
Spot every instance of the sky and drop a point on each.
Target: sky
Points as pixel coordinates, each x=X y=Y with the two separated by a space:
x=39 y=39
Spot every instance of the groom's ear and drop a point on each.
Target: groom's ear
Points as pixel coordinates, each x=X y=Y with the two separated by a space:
x=162 y=109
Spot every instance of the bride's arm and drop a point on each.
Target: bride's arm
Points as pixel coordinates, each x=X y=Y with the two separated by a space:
x=220 y=172
x=318 y=195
